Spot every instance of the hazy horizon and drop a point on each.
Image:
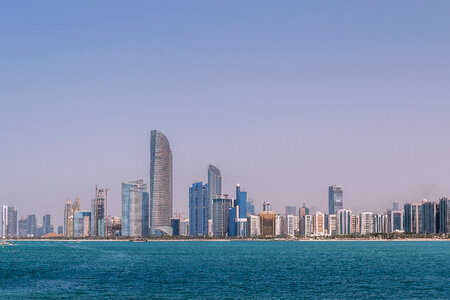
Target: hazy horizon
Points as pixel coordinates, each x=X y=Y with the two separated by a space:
x=284 y=98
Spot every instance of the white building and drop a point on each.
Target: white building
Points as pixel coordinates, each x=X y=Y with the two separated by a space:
x=291 y=225
x=366 y=222
x=253 y=225
x=279 y=225
x=343 y=221
x=332 y=224
x=184 y=227
x=308 y=225
x=319 y=224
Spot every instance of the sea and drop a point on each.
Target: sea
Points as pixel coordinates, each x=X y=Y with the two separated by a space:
x=225 y=270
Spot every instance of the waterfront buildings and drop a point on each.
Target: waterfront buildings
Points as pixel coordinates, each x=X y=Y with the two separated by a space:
x=220 y=215
x=307 y=225
x=318 y=223
x=67 y=213
x=135 y=209
x=335 y=199
x=279 y=225
x=184 y=227
x=267 y=206
x=99 y=212
x=253 y=225
x=444 y=215
x=214 y=187
x=199 y=207
x=22 y=231
x=175 y=224
x=60 y=230
x=250 y=207
x=238 y=212
x=267 y=223
x=9 y=221
x=81 y=223
x=160 y=184
x=46 y=224
x=292 y=225
x=332 y=224
x=291 y=210
x=366 y=222
x=343 y=221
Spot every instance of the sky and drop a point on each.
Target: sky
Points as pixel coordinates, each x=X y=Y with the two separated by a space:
x=284 y=97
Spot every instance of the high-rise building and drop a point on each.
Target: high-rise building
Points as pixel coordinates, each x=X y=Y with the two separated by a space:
x=22 y=227
x=81 y=223
x=67 y=213
x=12 y=222
x=175 y=223
x=184 y=227
x=214 y=187
x=267 y=223
x=76 y=205
x=428 y=217
x=4 y=221
x=366 y=220
x=267 y=206
x=198 y=209
x=60 y=229
x=444 y=215
x=160 y=184
x=302 y=212
x=279 y=224
x=135 y=209
x=396 y=220
x=31 y=225
x=291 y=225
x=307 y=225
x=343 y=221
x=250 y=207
x=46 y=224
x=238 y=211
x=318 y=223
x=99 y=212
x=335 y=199
x=220 y=215
x=332 y=224
x=291 y=210
x=355 y=224
x=254 y=225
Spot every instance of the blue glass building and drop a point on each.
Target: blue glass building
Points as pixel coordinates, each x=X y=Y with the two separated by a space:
x=81 y=223
x=232 y=222
x=444 y=215
x=214 y=186
x=135 y=209
x=175 y=222
x=335 y=199
x=198 y=209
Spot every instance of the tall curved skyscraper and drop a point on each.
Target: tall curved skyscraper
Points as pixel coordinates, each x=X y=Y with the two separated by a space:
x=214 y=186
x=160 y=184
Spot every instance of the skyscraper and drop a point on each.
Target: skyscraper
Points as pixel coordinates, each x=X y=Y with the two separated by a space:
x=291 y=210
x=22 y=232
x=135 y=208
x=67 y=214
x=98 y=212
x=444 y=215
x=250 y=207
x=31 y=225
x=335 y=199
x=220 y=215
x=81 y=223
x=4 y=221
x=214 y=186
x=198 y=209
x=9 y=221
x=343 y=221
x=46 y=224
x=160 y=184
x=267 y=206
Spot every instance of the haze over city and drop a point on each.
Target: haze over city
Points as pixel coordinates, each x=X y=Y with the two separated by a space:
x=294 y=99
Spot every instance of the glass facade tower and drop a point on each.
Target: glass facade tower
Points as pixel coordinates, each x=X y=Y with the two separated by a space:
x=198 y=209
x=135 y=209
x=214 y=186
x=160 y=184
x=335 y=199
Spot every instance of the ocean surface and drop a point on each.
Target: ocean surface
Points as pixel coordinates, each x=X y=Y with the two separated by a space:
x=225 y=269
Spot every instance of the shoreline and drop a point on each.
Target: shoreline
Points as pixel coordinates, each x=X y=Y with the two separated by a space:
x=233 y=240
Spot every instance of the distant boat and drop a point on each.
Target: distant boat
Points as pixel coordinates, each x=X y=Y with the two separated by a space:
x=6 y=243
x=138 y=240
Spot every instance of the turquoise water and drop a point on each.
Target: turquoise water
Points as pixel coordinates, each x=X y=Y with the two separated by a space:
x=250 y=269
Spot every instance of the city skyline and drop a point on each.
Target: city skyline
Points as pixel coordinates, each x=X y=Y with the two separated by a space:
x=286 y=99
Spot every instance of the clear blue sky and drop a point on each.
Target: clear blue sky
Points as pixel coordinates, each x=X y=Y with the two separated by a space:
x=285 y=97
